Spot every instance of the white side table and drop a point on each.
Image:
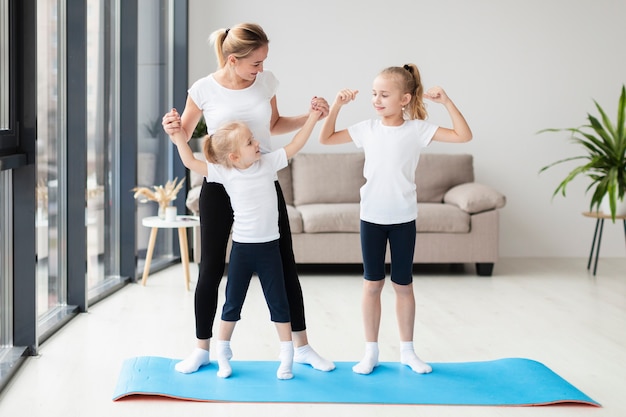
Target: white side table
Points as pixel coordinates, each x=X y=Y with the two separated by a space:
x=181 y=223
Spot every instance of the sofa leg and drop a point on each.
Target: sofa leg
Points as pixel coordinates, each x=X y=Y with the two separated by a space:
x=484 y=269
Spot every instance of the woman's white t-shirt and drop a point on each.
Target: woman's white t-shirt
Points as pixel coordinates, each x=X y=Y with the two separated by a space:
x=253 y=196
x=250 y=105
x=391 y=157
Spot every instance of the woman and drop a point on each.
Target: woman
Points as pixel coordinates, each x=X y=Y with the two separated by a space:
x=239 y=90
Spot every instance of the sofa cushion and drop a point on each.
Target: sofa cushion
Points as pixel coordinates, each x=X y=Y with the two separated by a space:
x=338 y=217
x=344 y=218
x=441 y=218
x=193 y=200
x=327 y=178
x=295 y=219
x=474 y=198
x=437 y=173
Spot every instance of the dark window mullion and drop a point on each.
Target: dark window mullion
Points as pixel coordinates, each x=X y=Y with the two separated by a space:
x=76 y=148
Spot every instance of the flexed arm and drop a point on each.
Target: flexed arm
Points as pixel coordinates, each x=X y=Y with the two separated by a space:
x=460 y=131
x=328 y=134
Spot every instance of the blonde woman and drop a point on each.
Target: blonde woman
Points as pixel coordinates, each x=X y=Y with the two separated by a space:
x=240 y=89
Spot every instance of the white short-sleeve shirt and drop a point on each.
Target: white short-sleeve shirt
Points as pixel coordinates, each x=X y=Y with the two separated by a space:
x=253 y=196
x=391 y=157
x=250 y=105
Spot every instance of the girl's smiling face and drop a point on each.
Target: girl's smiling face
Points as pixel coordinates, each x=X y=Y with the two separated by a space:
x=387 y=97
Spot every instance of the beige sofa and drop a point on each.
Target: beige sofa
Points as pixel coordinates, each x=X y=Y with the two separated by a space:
x=457 y=222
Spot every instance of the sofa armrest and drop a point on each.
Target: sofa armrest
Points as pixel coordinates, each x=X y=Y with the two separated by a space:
x=193 y=200
x=474 y=197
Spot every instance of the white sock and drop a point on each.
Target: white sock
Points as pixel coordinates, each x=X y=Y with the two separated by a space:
x=285 y=370
x=197 y=358
x=408 y=357
x=223 y=353
x=306 y=355
x=369 y=361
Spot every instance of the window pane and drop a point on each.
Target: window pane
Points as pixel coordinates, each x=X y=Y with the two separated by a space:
x=102 y=145
x=154 y=152
x=50 y=151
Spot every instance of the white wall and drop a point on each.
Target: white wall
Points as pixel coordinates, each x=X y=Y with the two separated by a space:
x=512 y=68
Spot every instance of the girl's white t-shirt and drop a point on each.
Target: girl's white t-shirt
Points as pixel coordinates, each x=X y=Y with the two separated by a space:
x=391 y=157
x=253 y=196
x=250 y=105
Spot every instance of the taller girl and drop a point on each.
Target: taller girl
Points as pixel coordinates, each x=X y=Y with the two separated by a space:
x=392 y=146
x=239 y=90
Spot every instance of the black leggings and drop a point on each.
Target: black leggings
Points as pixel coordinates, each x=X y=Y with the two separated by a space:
x=216 y=220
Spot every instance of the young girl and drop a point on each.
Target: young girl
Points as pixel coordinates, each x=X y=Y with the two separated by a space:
x=235 y=160
x=392 y=146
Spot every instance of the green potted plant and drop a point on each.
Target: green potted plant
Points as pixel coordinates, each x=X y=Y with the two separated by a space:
x=198 y=134
x=604 y=161
x=200 y=130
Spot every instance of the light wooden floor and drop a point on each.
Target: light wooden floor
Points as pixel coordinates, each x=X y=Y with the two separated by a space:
x=549 y=310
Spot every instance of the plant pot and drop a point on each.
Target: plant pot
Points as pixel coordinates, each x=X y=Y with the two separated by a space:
x=620 y=207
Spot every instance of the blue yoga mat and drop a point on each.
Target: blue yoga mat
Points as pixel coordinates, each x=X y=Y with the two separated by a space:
x=503 y=382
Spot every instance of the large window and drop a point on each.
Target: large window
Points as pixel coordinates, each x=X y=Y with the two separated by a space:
x=81 y=85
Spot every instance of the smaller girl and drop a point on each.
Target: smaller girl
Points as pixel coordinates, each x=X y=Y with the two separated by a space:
x=234 y=160
x=392 y=146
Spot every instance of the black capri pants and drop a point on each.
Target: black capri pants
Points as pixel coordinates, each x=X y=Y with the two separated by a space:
x=216 y=220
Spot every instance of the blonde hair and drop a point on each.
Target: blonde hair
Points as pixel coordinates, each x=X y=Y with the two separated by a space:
x=240 y=41
x=225 y=141
x=410 y=82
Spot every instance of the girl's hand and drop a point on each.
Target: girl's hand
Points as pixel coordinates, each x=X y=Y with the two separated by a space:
x=345 y=96
x=319 y=104
x=171 y=122
x=436 y=94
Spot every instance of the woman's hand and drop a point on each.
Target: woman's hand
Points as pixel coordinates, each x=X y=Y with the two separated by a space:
x=171 y=122
x=319 y=104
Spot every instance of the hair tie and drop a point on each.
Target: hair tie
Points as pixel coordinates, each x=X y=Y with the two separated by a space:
x=406 y=67
x=226 y=32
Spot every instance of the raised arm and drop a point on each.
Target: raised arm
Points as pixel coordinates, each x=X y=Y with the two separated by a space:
x=300 y=139
x=186 y=154
x=460 y=131
x=281 y=124
x=328 y=134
